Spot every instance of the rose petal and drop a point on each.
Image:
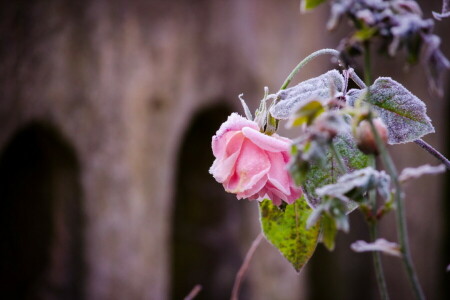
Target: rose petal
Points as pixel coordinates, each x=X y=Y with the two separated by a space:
x=253 y=191
x=295 y=194
x=251 y=166
x=223 y=166
x=278 y=196
x=276 y=200
x=223 y=169
x=219 y=145
x=235 y=123
x=234 y=143
x=278 y=174
x=264 y=141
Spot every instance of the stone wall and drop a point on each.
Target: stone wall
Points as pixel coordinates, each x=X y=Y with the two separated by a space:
x=122 y=84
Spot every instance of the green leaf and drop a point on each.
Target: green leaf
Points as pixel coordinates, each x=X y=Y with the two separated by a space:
x=329 y=230
x=404 y=114
x=307 y=113
x=365 y=33
x=319 y=174
x=310 y=4
x=286 y=230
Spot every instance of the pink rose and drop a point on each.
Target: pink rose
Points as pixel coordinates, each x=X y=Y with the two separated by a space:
x=251 y=164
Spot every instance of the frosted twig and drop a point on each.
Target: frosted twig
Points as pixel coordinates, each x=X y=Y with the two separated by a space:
x=240 y=274
x=306 y=60
x=433 y=152
x=194 y=292
x=356 y=79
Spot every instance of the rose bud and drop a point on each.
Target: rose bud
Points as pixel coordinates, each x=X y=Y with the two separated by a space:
x=365 y=138
x=252 y=164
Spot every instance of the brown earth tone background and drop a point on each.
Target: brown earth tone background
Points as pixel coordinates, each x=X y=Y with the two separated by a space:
x=107 y=109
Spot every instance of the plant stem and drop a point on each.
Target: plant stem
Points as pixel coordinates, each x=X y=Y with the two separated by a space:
x=244 y=267
x=373 y=232
x=379 y=274
x=402 y=231
x=338 y=157
x=367 y=64
x=306 y=60
x=433 y=152
x=313 y=55
x=356 y=79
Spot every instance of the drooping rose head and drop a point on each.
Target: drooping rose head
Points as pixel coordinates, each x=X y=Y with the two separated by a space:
x=251 y=164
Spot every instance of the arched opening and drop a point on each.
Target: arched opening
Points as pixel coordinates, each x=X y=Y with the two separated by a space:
x=207 y=222
x=342 y=273
x=40 y=217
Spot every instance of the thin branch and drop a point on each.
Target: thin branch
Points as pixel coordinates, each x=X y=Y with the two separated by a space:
x=194 y=292
x=240 y=274
x=356 y=79
x=306 y=60
x=433 y=152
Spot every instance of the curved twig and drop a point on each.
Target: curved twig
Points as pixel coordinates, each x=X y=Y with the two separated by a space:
x=240 y=274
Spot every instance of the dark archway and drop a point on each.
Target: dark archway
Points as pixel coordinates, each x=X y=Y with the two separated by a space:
x=40 y=217
x=342 y=273
x=206 y=220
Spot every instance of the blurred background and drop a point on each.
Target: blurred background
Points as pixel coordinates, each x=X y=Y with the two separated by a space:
x=107 y=109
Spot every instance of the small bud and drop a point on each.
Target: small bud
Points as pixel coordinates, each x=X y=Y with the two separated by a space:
x=365 y=138
x=329 y=124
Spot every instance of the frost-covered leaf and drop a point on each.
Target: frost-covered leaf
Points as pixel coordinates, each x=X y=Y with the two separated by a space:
x=286 y=230
x=319 y=175
x=353 y=186
x=403 y=113
x=319 y=87
x=379 y=245
x=412 y=173
x=353 y=95
x=310 y=4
